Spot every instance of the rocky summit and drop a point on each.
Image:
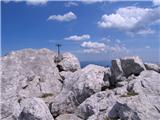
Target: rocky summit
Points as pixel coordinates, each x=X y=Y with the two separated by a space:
x=35 y=87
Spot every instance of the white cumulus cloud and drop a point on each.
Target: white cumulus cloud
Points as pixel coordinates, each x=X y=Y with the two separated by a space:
x=130 y=18
x=78 y=38
x=93 y=47
x=63 y=18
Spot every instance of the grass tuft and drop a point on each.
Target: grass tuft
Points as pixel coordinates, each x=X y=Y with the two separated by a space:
x=129 y=94
x=46 y=95
x=107 y=118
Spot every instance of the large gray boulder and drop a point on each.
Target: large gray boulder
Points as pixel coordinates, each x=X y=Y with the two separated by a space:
x=123 y=112
x=132 y=65
x=151 y=66
x=68 y=117
x=28 y=73
x=117 y=72
x=125 y=67
x=31 y=72
x=147 y=83
x=78 y=87
x=145 y=106
x=95 y=104
x=91 y=80
x=69 y=63
x=34 y=109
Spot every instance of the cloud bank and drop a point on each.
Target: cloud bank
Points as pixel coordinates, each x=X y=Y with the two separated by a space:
x=100 y=47
x=131 y=19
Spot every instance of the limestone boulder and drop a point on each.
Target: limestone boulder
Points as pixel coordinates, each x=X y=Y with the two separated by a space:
x=34 y=109
x=69 y=63
x=132 y=65
x=94 y=105
x=122 y=112
x=147 y=83
x=117 y=72
x=28 y=73
x=151 y=66
x=123 y=68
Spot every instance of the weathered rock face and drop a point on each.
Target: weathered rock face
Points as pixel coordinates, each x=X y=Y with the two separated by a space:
x=68 y=117
x=151 y=66
x=34 y=71
x=29 y=73
x=32 y=84
x=65 y=75
x=147 y=83
x=78 y=87
x=100 y=101
x=117 y=72
x=137 y=100
x=34 y=109
x=117 y=107
x=123 y=112
x=91 y=80
x=123 y=68
x=132 y=65
x=69 y=63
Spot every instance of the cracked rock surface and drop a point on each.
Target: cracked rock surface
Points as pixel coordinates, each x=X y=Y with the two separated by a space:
x=35 y=87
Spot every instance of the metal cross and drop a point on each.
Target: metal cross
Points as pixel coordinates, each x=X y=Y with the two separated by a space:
x=58 y=46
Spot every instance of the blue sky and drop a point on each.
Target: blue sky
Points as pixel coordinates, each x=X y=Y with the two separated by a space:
x=92 y=30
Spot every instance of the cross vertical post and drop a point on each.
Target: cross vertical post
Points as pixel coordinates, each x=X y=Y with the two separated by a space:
x=58 y=46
